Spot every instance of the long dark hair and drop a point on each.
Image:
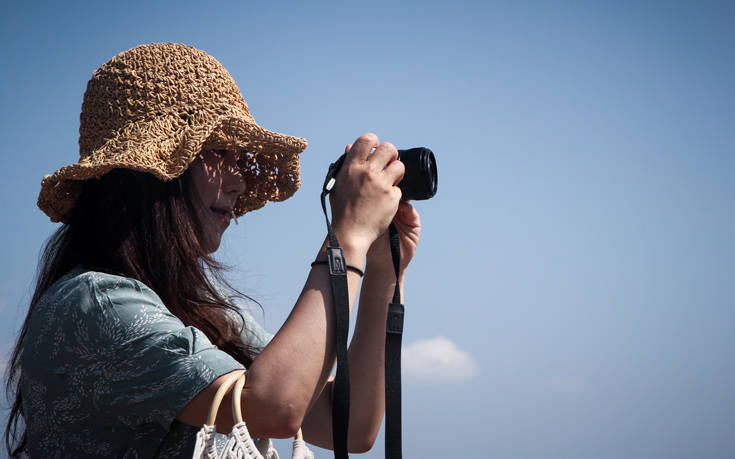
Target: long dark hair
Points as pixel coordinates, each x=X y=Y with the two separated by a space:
x=131 y=224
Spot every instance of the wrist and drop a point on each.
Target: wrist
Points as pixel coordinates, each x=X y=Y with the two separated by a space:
x=354 y=254
x=357 y=242
x=383 y=271
x=380 y=260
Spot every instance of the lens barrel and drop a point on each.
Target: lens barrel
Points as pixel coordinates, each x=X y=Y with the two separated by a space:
x=420 y=180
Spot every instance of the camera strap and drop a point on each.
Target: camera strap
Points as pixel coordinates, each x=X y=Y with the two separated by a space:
x=393 y=335
x=394 y=331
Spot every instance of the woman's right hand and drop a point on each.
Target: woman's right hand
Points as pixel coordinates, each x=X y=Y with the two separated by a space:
x=366 y=196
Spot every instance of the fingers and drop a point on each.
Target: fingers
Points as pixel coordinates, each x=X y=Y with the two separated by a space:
x=385 y=159
x=407 y=215
x=405 y=208
x=381 y=157
x=394 y=172
x=362 y=147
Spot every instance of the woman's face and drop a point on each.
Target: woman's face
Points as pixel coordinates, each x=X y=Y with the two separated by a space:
x=218 y=182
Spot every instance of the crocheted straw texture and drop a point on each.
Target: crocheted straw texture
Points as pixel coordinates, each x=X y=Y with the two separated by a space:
x=153 y=108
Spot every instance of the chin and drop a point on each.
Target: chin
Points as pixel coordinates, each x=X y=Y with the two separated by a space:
x=212 y=238
x=212 y=246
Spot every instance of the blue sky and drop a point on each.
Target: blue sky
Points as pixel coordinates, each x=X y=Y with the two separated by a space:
x=573 y=292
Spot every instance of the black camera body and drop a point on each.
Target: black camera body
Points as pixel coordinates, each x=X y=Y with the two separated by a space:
x=420 y=180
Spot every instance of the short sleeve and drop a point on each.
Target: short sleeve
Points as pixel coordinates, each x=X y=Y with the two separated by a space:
x=253 y=333
x=116 y=356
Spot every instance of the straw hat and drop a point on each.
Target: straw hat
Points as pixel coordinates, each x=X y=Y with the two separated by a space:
x=153 y=108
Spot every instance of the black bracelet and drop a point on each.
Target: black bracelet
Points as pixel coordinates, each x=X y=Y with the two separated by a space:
x=351 y=268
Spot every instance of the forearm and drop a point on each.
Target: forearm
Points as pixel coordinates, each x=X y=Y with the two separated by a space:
x=288 y=376
x=367 y=354
x=367 y=371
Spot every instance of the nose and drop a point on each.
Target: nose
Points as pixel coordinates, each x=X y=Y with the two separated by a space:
x=233 y=182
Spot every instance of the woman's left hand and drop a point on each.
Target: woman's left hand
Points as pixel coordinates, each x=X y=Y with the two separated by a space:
x=408 y=224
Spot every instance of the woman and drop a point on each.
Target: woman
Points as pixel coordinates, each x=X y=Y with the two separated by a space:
x=130 y=332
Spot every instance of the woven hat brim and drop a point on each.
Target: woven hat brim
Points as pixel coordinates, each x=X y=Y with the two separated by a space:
x=272 y=167
x=160 y=147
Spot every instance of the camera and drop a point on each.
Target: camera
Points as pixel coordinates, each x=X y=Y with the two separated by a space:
x=420 y=180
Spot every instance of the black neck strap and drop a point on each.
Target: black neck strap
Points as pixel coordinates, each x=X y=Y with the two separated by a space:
x=393 y=335
x=394 y=331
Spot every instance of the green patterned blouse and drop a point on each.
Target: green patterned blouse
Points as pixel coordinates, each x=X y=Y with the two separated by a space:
x=106 y=368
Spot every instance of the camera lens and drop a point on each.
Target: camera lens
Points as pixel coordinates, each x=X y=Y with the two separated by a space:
x=420 y=180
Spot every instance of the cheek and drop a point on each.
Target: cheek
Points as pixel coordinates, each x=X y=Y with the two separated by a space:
x=205 y=181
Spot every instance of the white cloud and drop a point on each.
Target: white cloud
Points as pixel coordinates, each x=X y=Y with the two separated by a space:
x=436 y=360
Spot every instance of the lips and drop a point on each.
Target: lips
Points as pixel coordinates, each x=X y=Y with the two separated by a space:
x=223 y=213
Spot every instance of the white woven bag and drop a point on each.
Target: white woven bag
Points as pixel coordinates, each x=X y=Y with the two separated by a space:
x=239 y=443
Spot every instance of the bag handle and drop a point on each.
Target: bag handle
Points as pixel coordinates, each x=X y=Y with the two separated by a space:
x=222 y=390
x=236 y=399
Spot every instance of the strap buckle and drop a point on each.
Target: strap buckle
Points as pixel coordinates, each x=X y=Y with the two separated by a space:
x=336 y=261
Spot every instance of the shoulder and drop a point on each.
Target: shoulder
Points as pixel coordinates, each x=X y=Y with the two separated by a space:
x=94 y=285
x=82 y=293
x=88 y=309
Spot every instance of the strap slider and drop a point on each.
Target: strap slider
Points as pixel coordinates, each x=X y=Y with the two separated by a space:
x=336 y=260
x=330 y=179
x=394 y=324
